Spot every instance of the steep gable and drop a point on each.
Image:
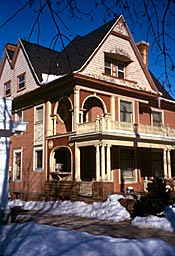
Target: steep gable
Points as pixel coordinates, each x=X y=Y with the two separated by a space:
x=118 y=46
x=74 y=56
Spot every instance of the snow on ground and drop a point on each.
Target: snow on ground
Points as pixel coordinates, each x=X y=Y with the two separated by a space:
x=32 y=239
x=111 y=209
x=165 y=223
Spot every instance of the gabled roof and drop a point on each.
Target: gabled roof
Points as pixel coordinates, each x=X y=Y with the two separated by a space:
x=79 y=50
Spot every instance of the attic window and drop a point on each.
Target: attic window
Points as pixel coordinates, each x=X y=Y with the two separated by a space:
x=21 y=82
x=114 y=68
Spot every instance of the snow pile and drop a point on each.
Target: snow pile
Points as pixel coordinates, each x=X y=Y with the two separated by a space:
x=111 y=209
x=34 y=240
x=165 y=223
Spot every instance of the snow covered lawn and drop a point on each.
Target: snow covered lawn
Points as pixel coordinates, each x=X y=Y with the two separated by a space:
x=32 y=239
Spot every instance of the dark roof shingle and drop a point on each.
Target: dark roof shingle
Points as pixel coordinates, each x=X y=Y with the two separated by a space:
x=43 y=60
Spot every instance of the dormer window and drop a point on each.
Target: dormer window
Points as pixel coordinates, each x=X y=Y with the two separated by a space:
x=114 y=68
x=21 y=82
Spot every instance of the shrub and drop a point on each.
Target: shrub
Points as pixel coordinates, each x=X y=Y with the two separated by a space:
x=154 y=201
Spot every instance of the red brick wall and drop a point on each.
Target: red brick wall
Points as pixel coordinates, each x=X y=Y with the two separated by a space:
x=144 y=114
x=169 y=118
x=32 y=181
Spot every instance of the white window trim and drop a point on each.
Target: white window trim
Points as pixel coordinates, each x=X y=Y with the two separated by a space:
x=39 y=124
x=5 y=85
x=133 y=112
x=36 y=148
x=18 y=78
x=157 y=110
x=17 y=150
x=117 y=70
x=16 y=115
x=35 y=110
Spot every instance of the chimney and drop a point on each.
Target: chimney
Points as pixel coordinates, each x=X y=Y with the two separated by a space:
x=10 y=47
x=143 y=49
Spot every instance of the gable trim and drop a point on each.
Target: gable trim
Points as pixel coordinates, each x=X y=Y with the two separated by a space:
x=29 y=62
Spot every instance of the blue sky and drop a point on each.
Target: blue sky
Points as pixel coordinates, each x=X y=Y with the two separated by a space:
x=21 y=25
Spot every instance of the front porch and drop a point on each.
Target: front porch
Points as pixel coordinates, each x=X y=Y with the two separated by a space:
x=78 y=190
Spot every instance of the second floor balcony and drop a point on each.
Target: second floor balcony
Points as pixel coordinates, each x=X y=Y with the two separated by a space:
x=106 y=125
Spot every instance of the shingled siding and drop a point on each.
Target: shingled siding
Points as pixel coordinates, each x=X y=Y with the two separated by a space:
x=20 y=67
x=134 y=71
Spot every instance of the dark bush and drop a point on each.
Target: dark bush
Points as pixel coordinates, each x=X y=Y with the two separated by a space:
x=154 y=201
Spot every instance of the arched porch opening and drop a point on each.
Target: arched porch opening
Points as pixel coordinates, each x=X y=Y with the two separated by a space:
x=61 y=163
x=64 y=116
x=93 y=107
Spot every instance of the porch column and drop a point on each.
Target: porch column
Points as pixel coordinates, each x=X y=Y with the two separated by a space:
x=54 y=125
x=103 y=162
x=165 y=163
x=108 y=160
x=97 y=163
x=168 y=163
x=112 y=107
x=77 y=163
x=76 y=108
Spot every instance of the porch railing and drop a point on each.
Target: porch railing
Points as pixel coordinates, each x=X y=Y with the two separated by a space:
x=102 y=124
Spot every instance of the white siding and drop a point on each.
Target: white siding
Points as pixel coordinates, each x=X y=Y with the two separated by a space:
x=20 y=67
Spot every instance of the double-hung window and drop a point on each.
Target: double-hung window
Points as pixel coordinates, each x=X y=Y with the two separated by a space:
x=126 y=111
x=21 y=82
x=157 y=118
x=17 y=164
x=38 y=158
x=7 y=87
x=39 y=114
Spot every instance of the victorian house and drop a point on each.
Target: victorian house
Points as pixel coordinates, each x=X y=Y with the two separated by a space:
x=98 y=120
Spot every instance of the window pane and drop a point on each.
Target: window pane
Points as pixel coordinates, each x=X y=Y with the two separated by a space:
x=121 y=70
x=7 y=88
x=157 y=118
x=17 y=166
x=120 y=74
x=127 y=163
x=107 y=66
x=39 y=114
x=21 y=82
x=120 y=67
x=125 y=111
x=39 y=159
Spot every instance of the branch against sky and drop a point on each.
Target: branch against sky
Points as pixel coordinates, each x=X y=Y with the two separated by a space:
x=156 y=17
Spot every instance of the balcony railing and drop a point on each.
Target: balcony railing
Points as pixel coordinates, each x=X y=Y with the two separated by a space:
x=102 y=124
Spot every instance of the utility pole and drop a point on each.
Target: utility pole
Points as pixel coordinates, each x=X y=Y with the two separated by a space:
x=7 y=128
